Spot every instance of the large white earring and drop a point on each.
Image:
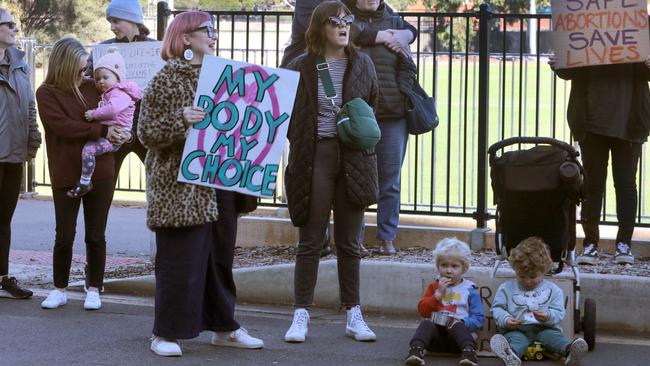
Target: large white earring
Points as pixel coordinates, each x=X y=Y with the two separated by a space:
x=188 y=54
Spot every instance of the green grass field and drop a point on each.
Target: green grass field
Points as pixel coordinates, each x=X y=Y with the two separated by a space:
x=440 y=168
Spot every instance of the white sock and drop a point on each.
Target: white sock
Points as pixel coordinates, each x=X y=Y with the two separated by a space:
x=92 y=289
x=84 y=180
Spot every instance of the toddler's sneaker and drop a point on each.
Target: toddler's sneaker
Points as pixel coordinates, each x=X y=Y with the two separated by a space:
x=79 y=190
x=9 y=288
x=92 y=301
x=501 y=348
x=357 y=328
x=577 y=350
x=623 y=254
x=298 y=330
x=415 y=357
x=55 y=299
x=165 y=347
x=589 y=255
x=238 y=339
x=468 y=358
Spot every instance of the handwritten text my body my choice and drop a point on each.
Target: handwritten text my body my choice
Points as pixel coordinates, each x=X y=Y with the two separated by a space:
x=217 y=166
x=602 y=31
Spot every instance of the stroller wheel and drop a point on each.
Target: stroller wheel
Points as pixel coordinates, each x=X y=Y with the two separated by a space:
x=589 y=323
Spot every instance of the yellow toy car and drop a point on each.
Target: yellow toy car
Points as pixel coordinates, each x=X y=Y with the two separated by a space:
x=534 y=352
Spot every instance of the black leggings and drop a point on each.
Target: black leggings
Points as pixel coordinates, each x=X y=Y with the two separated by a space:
x=437 y=338
x=10 y=178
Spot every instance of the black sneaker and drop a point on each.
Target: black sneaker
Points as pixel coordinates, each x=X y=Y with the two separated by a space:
x=468 y=358
x=589 y=255
x=79 y=190
x=623 y=254
x=9 y=288
x=415 y=357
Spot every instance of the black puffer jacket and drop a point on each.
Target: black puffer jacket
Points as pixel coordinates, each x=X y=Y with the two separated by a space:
x=360 y=167
x=391 y=100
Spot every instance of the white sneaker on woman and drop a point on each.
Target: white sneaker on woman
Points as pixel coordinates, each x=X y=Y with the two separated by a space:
x=298 y=330
x=55 y=299
x=357 y=328
x=238 y=339
x=92 y=301
x=165 y=347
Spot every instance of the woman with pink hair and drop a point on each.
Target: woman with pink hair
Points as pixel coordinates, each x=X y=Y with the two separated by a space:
x=195 y=226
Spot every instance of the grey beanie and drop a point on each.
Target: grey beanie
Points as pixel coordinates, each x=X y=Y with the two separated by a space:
x=126 y=10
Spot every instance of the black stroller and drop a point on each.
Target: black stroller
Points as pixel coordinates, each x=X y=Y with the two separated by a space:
x=536 y=192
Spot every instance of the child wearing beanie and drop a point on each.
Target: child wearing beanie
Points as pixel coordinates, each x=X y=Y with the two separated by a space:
x=116 y=108
x=451 y=307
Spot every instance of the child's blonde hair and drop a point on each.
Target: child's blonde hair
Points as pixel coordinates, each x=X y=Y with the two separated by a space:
x=531 y=257
x=452 y=248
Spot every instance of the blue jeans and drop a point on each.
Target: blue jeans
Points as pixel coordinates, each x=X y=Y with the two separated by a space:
x=390 y=156
x=552 y=339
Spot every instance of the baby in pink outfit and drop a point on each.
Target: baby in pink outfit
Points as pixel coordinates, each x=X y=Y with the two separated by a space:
x=116 y=108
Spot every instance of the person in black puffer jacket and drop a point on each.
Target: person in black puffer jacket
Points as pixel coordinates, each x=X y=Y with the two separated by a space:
x=373 y=16
x=609 y=110
x=322 y=173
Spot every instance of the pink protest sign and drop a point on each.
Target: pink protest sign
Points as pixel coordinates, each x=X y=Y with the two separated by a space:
x=599 y=32
x=238 y=145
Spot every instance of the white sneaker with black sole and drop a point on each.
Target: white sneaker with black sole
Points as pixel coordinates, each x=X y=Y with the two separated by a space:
x=501 y=348
x=589 y=255
x=623 y=254
x=299 y=326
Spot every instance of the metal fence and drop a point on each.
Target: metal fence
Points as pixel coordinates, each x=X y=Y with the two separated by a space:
x=488 y=74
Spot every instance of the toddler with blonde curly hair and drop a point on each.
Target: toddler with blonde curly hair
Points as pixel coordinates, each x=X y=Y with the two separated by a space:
x=530 y=308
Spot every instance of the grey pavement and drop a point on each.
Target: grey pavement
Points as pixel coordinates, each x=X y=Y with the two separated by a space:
x=33 y=229
x=118 y=335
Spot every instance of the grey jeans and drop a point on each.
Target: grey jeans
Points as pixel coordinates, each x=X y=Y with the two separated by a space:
x=328 y=189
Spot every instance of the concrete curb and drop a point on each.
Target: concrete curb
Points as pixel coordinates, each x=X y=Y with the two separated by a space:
x=395 y=288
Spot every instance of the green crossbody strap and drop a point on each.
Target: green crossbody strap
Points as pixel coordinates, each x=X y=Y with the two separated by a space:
x=328 y=86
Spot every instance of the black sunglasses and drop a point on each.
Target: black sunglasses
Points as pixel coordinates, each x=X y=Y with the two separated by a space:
x=212 y=33
x=337 y=22
x=10 y=25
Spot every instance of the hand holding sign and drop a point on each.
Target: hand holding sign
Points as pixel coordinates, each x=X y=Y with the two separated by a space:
x=193 y=115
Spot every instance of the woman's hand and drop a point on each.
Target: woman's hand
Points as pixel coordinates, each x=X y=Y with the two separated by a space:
x=118 y=135
x=551 y=61
x=193 y=115
x=88 y=115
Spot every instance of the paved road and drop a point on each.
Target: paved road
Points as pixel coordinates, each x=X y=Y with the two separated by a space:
x=33 y=229
x=118 y=335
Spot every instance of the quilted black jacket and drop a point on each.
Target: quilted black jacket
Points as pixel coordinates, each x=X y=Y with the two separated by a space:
x=359 y=166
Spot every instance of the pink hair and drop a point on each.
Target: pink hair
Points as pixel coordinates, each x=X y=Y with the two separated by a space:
x=173 y=46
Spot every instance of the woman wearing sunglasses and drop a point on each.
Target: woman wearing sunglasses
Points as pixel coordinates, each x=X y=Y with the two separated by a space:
x=322 y=173
x=19 y=141
x=195 y=226
x=63 y=98
x=372 y=16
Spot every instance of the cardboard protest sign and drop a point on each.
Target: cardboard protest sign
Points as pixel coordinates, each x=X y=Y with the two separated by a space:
x=142 y=59
x=238 y=146
x=599 y=32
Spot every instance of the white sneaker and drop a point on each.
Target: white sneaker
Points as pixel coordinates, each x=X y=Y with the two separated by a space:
x=577 y=351
x=238 y=339
x=298 y=330
x=165 y=347
x=92 y=301
x=623 y=254
x=55 y=299
x=357 y=328
x=501 y=348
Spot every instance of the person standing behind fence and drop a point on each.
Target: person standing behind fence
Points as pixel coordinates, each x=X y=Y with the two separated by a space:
x=609 y=110
x=195 y=226
x=63 y=98
x=373 y=16
x=127 y=23
x=320 y=169
x=19 y=141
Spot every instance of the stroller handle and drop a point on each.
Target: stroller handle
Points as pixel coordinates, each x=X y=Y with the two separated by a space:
x=532 y=140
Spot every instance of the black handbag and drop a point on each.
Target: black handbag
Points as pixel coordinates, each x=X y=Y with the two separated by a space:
x=421 y=115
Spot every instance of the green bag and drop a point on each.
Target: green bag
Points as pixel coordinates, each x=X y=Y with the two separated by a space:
x=356 y=124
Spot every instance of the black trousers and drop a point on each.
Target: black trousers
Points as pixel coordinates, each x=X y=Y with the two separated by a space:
x=119 y=156
x=10 y=177
x=437 y=338
x=625 y=160
x=96 y=205
x=195 y=290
